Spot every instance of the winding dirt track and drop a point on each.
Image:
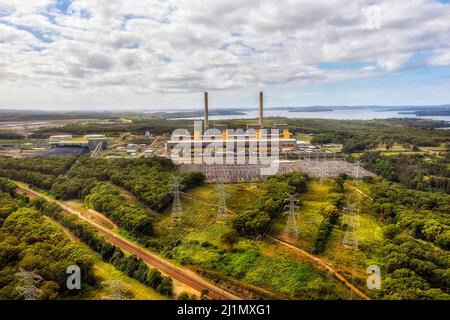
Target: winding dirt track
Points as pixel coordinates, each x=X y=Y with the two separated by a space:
x=324 y=264
x=182 y=275
x=362 y=193
x=307 y=255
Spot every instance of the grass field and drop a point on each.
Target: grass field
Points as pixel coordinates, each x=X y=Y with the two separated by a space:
x=435 y=149
x=304 y=137
x=369 y=233
x=308 y=219
x=105 y=271
x=195 y=240
x=396 y=146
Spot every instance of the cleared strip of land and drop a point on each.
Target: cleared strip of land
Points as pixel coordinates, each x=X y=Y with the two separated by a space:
x=182 y=275
x=324 y=264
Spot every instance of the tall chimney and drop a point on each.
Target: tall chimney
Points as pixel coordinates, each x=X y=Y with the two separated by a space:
x=206 y=110
x=261 y=115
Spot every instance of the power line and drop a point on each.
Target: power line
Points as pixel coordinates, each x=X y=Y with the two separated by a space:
x=222 y=204
x=177 y=209
x=291 y=223
x=358 y=169
x=350 y=221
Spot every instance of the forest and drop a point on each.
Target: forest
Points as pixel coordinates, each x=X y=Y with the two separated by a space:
x=8 y=135
x=149 y=180
x=331 y=212
x=131 y=265
x=256 y=219
x=29 y=241
x=417 y=237
x=134 y=193
x=415 y=171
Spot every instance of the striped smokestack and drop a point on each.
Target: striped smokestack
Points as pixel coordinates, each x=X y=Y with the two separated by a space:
x=261 y=105
x=206 y=110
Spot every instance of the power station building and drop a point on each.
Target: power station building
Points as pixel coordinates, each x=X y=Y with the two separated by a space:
x=255 y=142
x=88 y=141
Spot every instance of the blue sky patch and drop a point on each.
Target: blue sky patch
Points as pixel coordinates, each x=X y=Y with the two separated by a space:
x=347 y=65
x=38 y=34
x=63 y=5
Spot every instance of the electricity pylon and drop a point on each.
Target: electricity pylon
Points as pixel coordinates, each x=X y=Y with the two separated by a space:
x=321 y=174
x=97 y=149
x=28 y=287
x=291 y=223
x=222 y=203
x=116 y=288
x=177 y=209
x=358 y=169
x=350 y=219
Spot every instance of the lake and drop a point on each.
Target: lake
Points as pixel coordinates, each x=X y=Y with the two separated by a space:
x=338 y=114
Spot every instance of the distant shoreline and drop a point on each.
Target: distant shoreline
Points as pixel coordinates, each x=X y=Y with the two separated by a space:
x=320 y=112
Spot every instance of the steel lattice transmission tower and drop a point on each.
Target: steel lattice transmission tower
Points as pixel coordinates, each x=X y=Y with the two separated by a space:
x=116 y=288
x=350 y=220
x=222 y=203
x=358 y=169
x=28 y=287
x=291 y=223
x=321 y=173
x=177 y=209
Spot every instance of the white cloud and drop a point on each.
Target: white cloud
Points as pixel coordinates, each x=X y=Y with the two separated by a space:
x=393 y=62
x=442 y=58
x=150 y=47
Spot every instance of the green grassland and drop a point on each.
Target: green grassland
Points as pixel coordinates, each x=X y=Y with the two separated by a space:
x=369 y=236
x=304 y=137
x=105 y=271
x=195 y=240
x=369 y=232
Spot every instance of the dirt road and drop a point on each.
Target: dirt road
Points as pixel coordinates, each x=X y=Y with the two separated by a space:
x=309 y=256
x=324 y=264
x=182 y=275
x=362 y=193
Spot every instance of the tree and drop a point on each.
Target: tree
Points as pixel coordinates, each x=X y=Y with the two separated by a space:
x=230 y=238
x=166 y=286
x=183 y=296
x=204 y=294
x=330 y=212
x=154 y=278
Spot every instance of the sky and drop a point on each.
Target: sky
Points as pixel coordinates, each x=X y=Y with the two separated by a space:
x=162 y=54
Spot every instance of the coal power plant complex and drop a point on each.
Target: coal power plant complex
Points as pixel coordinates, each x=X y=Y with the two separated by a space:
x=237 y=146
x=237 y=155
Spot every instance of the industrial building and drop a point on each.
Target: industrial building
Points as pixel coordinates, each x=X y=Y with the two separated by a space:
x=256 y=141
x=88 y=141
